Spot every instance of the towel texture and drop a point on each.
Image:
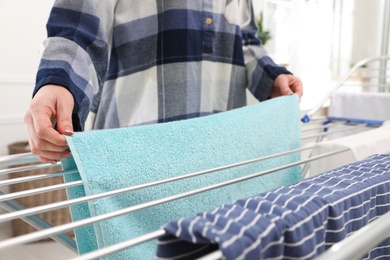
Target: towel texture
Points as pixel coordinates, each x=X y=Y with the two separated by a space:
x=117 y=158
x=298 y=221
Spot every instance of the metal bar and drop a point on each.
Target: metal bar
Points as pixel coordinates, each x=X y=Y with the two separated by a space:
x=66 y=227
x=334 y=131
x=331 y=124
x=27 y=168
x=319 y=127
x=306 y=167
x=379 y=86
x=30 y=192
x=35 y=177
x=13 y=159
x=39 y=209
x=213 y=256
x=361 y=241
x=354 y=121
x=121 y=246
x=40 y=224
x=318 y=118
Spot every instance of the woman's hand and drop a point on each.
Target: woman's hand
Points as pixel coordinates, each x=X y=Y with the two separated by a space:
x=287 y=84
x=50 y=108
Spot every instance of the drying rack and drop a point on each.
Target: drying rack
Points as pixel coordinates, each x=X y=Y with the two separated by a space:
x=315 y=129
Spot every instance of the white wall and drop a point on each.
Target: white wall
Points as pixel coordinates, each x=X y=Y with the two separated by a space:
x=22 y=30
x=304 y=45
x=367 y=31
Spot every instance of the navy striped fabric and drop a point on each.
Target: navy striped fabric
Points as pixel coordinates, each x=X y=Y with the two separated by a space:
x=299 y=221
x=133 y=62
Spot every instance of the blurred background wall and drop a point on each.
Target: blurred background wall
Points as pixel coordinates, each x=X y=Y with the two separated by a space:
x=317 y=40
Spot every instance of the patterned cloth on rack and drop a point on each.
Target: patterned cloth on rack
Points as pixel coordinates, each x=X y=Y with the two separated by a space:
x=297 y=221
x=361 y=145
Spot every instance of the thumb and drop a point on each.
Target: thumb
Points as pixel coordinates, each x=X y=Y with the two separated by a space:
x=64 y=115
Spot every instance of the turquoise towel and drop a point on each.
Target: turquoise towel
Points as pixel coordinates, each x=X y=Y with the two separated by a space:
x=118 y=158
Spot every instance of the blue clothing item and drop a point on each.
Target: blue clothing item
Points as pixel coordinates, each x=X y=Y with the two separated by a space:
x=298 y=221
x=130 y=62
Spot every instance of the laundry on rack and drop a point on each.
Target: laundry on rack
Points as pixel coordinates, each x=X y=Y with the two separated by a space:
x=297 y=221
x=118 y=158
x=359 y=105
x=361 y=145
x=363 y=105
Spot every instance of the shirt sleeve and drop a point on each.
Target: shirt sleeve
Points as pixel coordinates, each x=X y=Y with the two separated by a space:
x=261 y=69
x=76 y=51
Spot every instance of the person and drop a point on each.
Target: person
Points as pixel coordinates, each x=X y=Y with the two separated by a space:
x=119 y=63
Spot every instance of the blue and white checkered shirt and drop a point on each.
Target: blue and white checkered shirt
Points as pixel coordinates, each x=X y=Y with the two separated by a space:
x=133 y=62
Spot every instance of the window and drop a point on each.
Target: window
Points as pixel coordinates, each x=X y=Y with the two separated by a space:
x=314 y=39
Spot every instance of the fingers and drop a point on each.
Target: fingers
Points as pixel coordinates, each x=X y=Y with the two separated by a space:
x=64 y=117
x=296 y=85
x=286 y=84
x=49 y=105
x=281 y=86
x=45 y=142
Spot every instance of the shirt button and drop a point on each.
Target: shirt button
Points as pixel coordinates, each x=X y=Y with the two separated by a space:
x=209 y=21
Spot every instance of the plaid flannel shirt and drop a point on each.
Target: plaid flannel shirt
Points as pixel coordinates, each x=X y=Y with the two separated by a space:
x=133 y=62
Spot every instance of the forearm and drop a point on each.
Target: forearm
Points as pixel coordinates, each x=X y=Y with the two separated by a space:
x=261 y=69
x=76 y=51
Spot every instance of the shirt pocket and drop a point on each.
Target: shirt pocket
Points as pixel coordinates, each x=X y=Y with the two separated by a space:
x=232 y=12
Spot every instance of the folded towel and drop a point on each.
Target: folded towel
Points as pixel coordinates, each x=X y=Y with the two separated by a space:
x=361 y=145
x=117 y=158
x=362 y=105
x=365 y=105
x=297 y=221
